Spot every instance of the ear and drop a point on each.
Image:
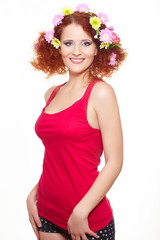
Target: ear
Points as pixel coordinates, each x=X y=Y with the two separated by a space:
x=96 y=51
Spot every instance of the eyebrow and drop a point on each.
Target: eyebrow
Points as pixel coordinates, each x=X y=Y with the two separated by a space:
x=81 y=40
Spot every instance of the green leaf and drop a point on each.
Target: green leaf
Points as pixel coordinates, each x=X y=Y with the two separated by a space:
x=114 y=44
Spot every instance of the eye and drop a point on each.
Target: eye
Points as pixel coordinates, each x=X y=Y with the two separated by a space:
x=86 y=43
x=67 y=43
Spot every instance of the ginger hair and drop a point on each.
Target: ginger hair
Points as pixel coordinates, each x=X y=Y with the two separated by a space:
x=48 y=59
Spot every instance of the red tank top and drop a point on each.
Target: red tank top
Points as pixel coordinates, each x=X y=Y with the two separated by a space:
x=72 y=154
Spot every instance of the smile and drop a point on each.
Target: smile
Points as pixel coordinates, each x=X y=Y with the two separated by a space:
x=77 y=60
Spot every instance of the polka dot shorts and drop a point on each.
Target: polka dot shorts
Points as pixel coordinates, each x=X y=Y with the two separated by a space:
x=106 y=233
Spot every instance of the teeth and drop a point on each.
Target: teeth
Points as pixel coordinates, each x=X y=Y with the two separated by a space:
x=77 y=60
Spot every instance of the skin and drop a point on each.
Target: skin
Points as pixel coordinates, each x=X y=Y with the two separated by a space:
x=79 y=47
x=102 y=113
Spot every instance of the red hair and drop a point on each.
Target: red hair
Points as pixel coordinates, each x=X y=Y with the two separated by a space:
x=48 y=59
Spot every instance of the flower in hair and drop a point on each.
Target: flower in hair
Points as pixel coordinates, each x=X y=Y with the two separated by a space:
x=67 y=10
x=103 y=17
x=115 y=38
x=111 y=28
x=57 y=19
x=82 y=8
x=112 y=58
x=104 y=45
x=49 y=36
x=95 y=22
x=105 y=35
x=56 y=43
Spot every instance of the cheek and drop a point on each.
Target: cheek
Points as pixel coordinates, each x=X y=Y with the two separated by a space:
x=65 y=51
x=90 y=53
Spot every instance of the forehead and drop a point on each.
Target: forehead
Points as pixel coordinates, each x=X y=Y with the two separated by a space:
x=74 y=31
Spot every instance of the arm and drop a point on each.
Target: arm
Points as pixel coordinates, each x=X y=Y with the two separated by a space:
x=106 y=107
x=32 y=210
x=33 y=193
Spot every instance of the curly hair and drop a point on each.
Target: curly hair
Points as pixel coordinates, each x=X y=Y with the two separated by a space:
x=48 y=59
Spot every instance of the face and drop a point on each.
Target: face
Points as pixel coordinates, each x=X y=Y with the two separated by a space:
x=77 y=49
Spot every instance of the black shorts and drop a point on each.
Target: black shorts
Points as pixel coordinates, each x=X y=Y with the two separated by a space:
x=106 y=233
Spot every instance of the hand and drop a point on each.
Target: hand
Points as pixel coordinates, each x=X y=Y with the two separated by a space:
x=78 y=227
x=33 y=215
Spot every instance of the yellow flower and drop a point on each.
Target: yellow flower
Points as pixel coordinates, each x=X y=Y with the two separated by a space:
x=95 y=22
x=56 y=43
x=67 y=10
x=104 y=45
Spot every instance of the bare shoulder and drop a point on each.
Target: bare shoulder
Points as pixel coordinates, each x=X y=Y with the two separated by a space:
x=105 y=104
x=48 y=93
x=102 y=92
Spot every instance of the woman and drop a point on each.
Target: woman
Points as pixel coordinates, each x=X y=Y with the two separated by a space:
x=80 y=120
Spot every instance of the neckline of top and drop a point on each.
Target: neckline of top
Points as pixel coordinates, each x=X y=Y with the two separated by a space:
x=69 y=107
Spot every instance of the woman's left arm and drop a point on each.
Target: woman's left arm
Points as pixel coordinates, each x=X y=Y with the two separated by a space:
x=106 y=107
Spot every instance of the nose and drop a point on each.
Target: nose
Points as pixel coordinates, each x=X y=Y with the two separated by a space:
x=76 y=50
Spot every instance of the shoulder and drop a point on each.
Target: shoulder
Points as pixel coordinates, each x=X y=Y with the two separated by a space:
x=48 y=93
x=105 y=104
x=102 y=92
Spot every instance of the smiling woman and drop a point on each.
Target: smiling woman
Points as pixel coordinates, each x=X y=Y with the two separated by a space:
x=48 y=59
x=79 y=121
x=78 y=53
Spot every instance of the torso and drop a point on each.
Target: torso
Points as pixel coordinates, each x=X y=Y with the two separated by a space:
x=65 y=98
x=72 y=153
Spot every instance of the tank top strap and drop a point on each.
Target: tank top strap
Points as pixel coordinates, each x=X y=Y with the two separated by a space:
x=88 y=91
x=53 y=94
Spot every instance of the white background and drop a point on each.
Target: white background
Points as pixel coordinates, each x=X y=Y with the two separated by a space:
x=135 y=197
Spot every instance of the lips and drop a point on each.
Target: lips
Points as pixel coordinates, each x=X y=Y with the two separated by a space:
x=77 y=60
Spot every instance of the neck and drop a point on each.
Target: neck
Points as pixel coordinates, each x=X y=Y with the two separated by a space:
x=76 y=80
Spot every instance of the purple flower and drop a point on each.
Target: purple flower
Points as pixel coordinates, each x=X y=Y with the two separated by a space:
x=112 y=58
x=49 y=36
x=57 y=19
x=82 y=8
x=105 y=35
x=103 y=17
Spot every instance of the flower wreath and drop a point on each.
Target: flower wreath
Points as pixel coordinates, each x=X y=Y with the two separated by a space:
x=107 y=37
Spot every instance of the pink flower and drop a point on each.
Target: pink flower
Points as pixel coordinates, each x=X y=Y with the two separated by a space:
x=82 y=8
x=112 y=58
x=115 y=38
x=57 y=19
x=111 y=28
x=49 y=36
x=103 y=17
x=105 y=35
